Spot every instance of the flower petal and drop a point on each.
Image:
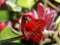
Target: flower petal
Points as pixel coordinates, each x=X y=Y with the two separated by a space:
x=40 y=23
x=35 y=15
x=37 y=36
x=40 y=9
x=2 y=1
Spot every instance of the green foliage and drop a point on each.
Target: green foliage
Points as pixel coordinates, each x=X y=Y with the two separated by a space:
x=12 y=6
x=57 y=1
x=4 y=15
x=7 y=33
x=26 y=3
x=58 y=23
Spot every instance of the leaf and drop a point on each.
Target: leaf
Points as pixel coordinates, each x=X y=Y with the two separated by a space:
x=7 y=33
x=12 y=6
x=57 y=20
x=4 y=15
x=26 y=3
x=58 y=23
x=11 y=43
x=57 y=1
x=57 y=39
x=58 y=27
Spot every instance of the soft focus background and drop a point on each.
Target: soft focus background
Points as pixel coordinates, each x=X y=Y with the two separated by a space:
x=17 y=15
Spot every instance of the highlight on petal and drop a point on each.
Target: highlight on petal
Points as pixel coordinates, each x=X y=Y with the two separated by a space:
x=35 y=14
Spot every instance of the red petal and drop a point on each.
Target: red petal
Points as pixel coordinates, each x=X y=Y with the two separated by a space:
x=33 y=27
x=35 y=15
x=48 y=18
x=29 y=14
x=23 y=26
x=37 y=37
x=41 y=23
x=30 y=25
x=40 y=9
x=26 y=36
x=51 y=17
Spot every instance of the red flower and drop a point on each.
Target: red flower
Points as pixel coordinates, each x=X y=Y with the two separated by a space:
x=32 y=28
x=34 y=22
x=2 y=26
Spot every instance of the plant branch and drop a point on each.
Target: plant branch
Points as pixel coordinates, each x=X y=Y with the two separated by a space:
x=45 y=4
x=53 y=6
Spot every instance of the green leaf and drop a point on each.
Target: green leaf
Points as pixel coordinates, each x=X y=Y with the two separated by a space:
x=58 y=23
x=57 y=1
x=12 y=6
x=8 y=33
x=57 y=20
x=58 y=27
x=26 y=3
x=4 y=15
x=57 y=39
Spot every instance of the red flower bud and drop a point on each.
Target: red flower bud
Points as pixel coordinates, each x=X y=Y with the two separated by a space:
x=2 y=25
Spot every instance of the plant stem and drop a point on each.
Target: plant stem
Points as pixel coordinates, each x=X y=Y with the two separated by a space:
x=57 y=39
x=11 y=39
x=45 y=4
x=53 y=6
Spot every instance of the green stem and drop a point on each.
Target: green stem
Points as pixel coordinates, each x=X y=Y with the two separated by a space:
x=47 y=40
x=57 y=39
x=45 y=4
x=11 y=39
x=53 y=6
